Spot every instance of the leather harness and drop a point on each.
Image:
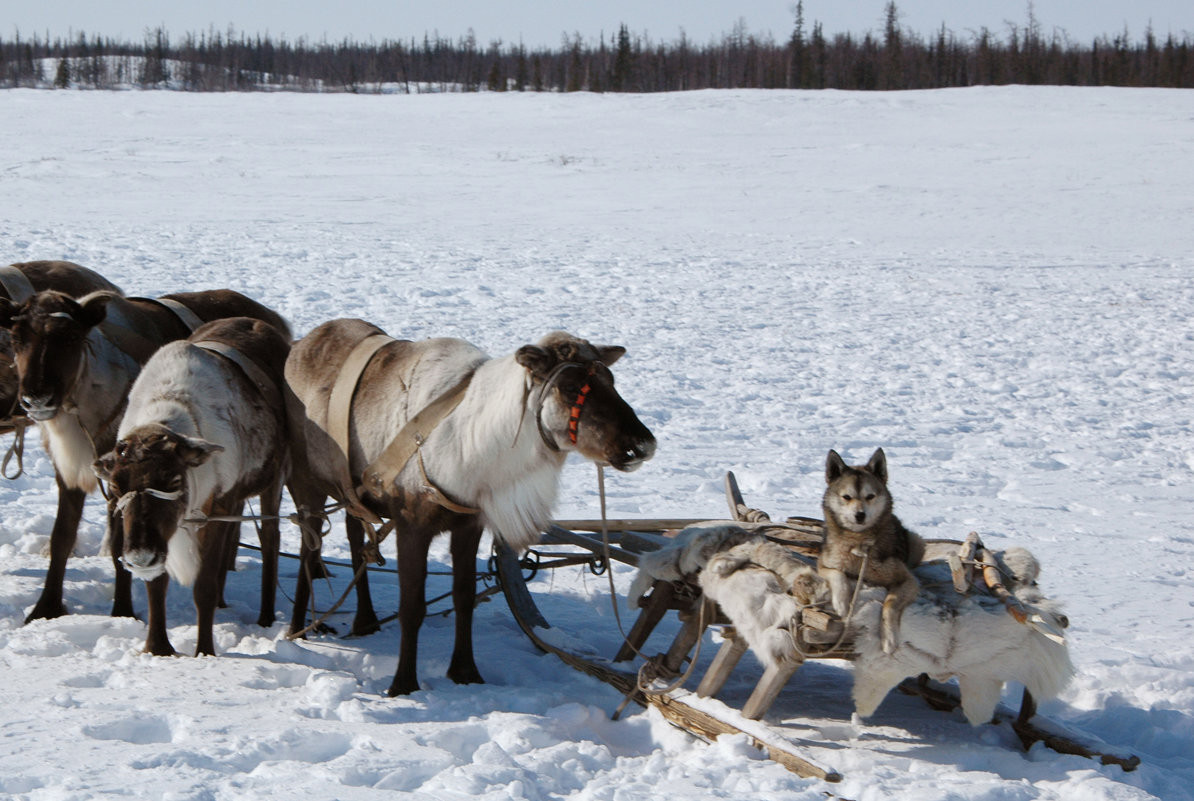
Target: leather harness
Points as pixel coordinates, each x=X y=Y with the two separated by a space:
x=379 y=476
x=265 y=385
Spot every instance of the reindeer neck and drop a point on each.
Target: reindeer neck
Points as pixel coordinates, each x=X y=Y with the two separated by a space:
x=493 y=457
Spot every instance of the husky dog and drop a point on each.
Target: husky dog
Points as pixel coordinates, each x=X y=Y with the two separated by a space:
x=860 y=530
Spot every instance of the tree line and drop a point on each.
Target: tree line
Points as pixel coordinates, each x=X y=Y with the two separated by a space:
x=892 y=58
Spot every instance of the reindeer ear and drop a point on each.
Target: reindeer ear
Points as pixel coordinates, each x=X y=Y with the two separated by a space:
x=834 y=467
x=609 y=354
x=195 y=451
x=8 y=310
x=94 y=308
x=104 y=465
x=878 y=465
x=535 y=359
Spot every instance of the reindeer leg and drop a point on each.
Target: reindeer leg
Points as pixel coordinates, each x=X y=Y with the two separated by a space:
x=306 y=500
x=122 y=599
x=365 y=622
x=231 y=546
x=269 y=536
x=157 y=640
x=412 y=608
x=213 y=550
x=62 y=542
x=465 y=540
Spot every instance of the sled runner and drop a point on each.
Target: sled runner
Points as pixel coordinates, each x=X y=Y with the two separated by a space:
x=667 y=681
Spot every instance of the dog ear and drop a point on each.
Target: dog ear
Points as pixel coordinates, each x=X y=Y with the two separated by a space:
x=834 y=467
x=877 y=466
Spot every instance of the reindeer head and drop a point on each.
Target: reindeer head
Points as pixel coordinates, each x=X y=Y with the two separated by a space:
x=577 y=407
x=147 y=473
x=48 y=338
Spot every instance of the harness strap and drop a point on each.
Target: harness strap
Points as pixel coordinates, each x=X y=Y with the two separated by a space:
x=265 y=385
x=128 y=341
x=339 y=412
x=381 y=474
x=181 y=311
x=16 y=284
x=436 y=494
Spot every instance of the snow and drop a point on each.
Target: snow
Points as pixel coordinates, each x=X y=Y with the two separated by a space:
x=994 y=284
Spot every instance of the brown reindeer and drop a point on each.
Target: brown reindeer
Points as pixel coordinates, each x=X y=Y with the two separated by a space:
x=492 y=459
x=77 y=360
x=204 y=430
x=18 y=282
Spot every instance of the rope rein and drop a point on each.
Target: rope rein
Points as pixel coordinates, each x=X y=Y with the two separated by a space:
x=651 y=669
x=793 y=625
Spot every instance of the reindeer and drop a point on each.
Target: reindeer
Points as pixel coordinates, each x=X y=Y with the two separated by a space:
x=17 y=283
x=205 y=428
x=77 y=360
x=490 y=441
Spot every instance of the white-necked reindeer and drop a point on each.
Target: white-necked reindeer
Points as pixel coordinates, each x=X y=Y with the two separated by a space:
x=201 y=433
x=500 y=451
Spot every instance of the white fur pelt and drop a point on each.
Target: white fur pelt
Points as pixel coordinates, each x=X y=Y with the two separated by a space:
x=748 y=576
x=686 y=555
x=944 y=634
x=970 y=637
x=753 y=583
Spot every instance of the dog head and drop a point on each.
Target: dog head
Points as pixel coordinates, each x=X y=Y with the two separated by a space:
x=856 y=496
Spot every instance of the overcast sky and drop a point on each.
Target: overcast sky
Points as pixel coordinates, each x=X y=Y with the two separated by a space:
x=543 y=22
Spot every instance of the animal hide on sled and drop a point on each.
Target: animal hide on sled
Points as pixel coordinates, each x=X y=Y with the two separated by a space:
x=760 y=586
x=970 y=637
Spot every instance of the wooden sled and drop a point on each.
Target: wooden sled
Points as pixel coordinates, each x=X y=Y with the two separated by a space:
x=819 y=634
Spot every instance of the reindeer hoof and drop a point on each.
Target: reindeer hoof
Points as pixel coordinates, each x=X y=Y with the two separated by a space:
x=402 y=687
x=469 y=675
x=364 y=626
x=159 y=649
x=47 y=612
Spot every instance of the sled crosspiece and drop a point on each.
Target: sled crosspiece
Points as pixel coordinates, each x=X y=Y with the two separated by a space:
x=817 y=634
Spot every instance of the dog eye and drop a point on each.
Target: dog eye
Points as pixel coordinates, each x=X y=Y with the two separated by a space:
x=871 y=497
x=847 y=498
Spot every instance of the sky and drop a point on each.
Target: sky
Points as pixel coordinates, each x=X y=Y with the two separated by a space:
x=543 y=23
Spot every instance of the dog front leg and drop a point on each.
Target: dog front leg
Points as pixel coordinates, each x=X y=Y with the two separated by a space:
x=841 y=588
x=897 y=600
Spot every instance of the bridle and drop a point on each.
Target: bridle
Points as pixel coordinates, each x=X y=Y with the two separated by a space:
x=578 y=403
x=127 y=498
